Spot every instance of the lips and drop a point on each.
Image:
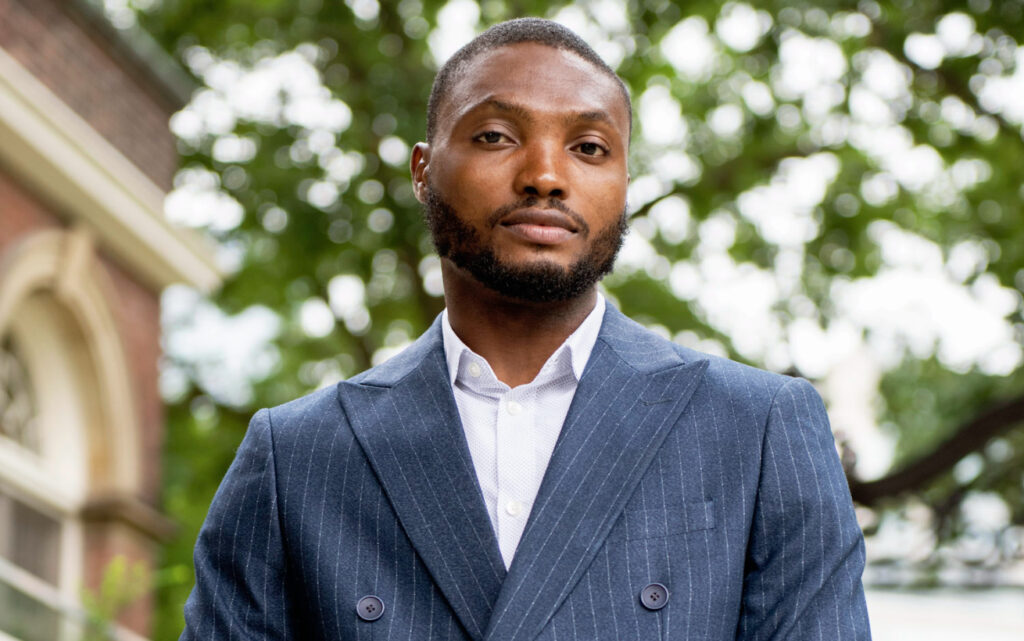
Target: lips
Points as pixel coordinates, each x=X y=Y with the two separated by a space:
x=540 y=226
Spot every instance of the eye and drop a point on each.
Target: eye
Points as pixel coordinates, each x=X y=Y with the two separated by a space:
x=591 y=149
x=491 y=137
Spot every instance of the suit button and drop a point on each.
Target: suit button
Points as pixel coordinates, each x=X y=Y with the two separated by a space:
x=370 y=608
x=654 y=596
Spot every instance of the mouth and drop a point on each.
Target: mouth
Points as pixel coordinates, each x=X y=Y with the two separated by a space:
x=540 y=226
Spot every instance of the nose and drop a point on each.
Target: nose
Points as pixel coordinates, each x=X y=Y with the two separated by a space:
x=541 y=173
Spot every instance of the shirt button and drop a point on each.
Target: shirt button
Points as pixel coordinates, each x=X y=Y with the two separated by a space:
x=474 y=370
x=513 y=508
x=654 y=596
x=514 y=408
x=370 y=608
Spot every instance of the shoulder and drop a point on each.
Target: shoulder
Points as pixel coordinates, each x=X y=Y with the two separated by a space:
x=722 y=378
x=308 y=420
x=301 y=422
x=751 y=397
x=311 y=406
x=325 y=402
x=730 y=377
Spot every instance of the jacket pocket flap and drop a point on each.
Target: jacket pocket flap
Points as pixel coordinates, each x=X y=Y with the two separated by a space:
x=676 y=518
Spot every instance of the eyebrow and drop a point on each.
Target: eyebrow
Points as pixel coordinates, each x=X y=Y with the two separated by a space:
x=508 y=107
x=523 y=113
x=589 y=116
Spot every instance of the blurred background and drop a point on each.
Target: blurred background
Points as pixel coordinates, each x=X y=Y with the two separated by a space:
x=205 y=209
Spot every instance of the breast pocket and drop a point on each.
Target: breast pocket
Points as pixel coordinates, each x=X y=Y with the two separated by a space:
x=663 y=521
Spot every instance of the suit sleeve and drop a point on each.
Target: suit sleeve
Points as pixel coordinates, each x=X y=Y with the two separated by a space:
x=239 y=557
x=806 y=554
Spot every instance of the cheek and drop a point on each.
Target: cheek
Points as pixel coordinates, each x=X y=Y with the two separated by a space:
x=607 y=197
x=475 y=186
x=607 y=182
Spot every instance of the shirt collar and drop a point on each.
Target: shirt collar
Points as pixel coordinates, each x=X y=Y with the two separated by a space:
x=579 y=344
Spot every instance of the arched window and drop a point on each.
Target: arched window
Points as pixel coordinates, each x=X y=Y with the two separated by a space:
x=36 y=516
x=30 y=538
x=67 y=428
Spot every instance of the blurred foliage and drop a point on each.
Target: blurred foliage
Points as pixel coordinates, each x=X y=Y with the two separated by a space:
x=122 y=584
x=743 y=125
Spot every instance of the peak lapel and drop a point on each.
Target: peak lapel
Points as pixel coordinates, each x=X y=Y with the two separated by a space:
x=633 y=390
x=405 y=418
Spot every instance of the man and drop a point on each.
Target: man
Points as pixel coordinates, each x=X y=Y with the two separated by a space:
x=535 y=466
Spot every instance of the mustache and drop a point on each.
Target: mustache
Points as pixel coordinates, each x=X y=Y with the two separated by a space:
x=532 y=201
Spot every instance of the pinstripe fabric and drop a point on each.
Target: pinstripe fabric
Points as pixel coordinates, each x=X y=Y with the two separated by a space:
x=717 y=480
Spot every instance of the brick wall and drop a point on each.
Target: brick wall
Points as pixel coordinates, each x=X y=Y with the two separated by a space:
x=136 y=312
x=20 y=212
x=51 y=40
x=122 y=102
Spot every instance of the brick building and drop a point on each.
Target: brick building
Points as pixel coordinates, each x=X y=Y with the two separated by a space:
x=86 y=159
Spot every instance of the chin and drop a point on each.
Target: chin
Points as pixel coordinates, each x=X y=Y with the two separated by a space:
x=539 y=261
x=534 y=281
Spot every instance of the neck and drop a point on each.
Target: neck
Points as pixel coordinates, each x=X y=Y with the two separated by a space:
x=515 y=337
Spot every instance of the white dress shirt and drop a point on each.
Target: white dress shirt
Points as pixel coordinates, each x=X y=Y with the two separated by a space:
x=512 y=431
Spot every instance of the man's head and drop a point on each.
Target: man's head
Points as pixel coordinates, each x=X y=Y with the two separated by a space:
x=524 y=173
x=538 y=30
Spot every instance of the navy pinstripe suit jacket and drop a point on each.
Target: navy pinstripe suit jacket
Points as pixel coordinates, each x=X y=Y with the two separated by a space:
x=719 y=481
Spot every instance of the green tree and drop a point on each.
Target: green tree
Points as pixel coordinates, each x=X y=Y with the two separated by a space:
x=123 y=584
x=849 y=172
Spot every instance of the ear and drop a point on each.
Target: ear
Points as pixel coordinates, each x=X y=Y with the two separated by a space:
x=419 y=161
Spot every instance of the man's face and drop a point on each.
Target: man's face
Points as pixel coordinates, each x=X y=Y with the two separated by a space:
x=525 y=182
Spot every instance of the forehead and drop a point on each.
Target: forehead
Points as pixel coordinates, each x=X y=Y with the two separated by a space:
x=539 y=77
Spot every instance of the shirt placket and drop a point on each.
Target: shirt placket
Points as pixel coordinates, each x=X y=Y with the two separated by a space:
x=515 y=445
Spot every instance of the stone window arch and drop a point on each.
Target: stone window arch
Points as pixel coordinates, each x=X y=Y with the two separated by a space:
x=69 y=431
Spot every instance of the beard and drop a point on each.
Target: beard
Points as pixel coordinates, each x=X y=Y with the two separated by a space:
x=539 y=282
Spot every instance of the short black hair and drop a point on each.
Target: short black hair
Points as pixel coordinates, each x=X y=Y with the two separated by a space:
x=539 y=30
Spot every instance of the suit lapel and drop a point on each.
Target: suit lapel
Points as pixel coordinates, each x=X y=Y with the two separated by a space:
x=404 y=416
x=633 y=390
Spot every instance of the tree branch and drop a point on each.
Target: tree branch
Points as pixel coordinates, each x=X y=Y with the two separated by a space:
x=971 y=436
